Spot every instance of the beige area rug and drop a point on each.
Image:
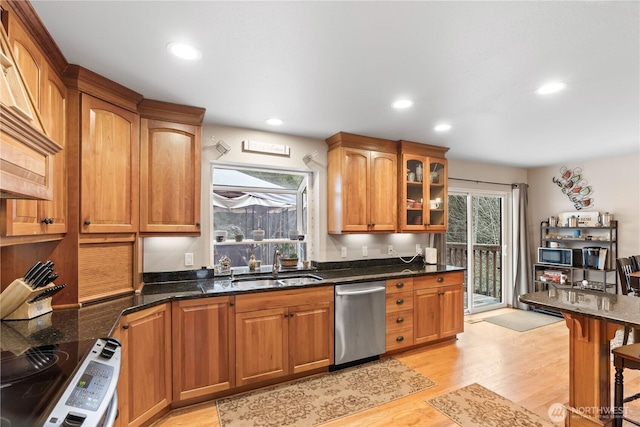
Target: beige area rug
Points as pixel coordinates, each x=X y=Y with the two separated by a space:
x=522 y=320
x=476 y=406
x=319 y=399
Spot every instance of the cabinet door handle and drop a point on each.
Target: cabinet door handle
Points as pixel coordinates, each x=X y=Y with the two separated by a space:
x=125 y=326
x=399 y=285
x=50 y=220
x=400 y=338
x=87 y=222
x=198 y=224
x=400 y=301
x=440 y=279
x=400 y=320
x=440 y=293
x=231 y=304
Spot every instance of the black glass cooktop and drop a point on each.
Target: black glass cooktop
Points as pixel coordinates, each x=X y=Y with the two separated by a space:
x=32 y=379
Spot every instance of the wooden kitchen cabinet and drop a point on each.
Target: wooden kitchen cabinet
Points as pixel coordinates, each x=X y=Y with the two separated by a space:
x=109 y=155
x=362 y=184
x=282 y=333
x=438 y=306
x=144 y=385
x=43 y=217
x=170 y=168
x=310 y=336
x=27 y=165
x=399 y=313
x=423 y=183
x=203 y=347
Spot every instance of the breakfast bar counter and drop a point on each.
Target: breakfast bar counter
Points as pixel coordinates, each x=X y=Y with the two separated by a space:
x=592 y=318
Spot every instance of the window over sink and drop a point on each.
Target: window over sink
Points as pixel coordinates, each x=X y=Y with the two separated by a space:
x=257 y=210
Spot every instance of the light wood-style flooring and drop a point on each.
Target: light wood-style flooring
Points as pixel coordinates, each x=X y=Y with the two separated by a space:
x=529 y=368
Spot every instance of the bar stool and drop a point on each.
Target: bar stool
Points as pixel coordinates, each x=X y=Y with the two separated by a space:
x=624 y=357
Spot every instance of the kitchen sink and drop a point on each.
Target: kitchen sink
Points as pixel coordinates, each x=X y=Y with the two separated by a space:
x=288 y=280
x=259 y=282
x=255 y=283
x=299 y=280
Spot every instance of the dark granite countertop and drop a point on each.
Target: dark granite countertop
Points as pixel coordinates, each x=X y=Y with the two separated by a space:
x=97 y=320
x=614 y=308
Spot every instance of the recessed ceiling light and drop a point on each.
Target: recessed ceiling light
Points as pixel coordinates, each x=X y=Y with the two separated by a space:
x=274 y=121
x=443 y=127
x=184 y=51
x=552 y=87
x=402 y=103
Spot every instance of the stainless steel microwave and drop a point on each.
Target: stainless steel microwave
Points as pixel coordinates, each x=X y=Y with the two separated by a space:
x=566 y=257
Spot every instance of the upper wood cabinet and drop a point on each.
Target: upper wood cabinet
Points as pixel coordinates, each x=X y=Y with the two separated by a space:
x=31 y=217
x=423 y=188
x=108 y=167
x=170 y=176
x=26 y=150
x=362 y=184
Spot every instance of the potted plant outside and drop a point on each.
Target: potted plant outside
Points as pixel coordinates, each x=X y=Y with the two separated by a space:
x=237 y=232
x=288 y=255
x=258 y=235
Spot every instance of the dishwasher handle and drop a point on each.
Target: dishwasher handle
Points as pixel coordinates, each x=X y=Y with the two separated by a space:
x=361 y=291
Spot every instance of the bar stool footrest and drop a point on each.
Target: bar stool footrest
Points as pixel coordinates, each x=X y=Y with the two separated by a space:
x=631 y=398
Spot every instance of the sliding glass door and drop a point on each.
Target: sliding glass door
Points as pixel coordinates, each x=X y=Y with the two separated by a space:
x=476 y=239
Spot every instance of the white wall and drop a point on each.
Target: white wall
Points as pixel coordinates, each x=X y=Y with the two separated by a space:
x=616 y=189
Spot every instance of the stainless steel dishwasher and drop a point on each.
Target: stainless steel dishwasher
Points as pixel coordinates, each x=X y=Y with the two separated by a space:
x=359 y=321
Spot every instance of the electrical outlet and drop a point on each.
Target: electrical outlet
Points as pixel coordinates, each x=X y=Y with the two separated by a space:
x=390 y=250
x=418 y=249
x=188 y=258
x=343 y=252
x=365 y=251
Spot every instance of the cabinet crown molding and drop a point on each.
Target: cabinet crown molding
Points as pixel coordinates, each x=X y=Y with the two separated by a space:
x=161 y=110
x=87 y=81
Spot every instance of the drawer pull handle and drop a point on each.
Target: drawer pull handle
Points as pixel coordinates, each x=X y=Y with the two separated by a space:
x=399 y=285
x=400 y=338
x=400 y=320
x=440 y=293
x=399 y=301
x=125 y=326
x=87 y=222
x=440 y=279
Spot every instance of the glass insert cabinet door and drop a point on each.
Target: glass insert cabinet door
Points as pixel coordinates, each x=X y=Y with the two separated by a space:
x=423 y=206
x=437 y=178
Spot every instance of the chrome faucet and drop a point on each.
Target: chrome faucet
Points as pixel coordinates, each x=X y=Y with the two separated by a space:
x=276 y=267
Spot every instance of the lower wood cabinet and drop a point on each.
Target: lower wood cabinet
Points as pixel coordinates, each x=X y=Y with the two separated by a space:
x=399 y=313
x=203 y=346
x=438 y=306
x=282 y=333
x=144 y=385
x=424 y=309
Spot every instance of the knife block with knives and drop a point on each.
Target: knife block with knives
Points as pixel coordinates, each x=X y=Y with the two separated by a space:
x=30 y=296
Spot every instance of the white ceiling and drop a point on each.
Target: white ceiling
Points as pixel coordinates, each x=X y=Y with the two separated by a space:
x=325 y=67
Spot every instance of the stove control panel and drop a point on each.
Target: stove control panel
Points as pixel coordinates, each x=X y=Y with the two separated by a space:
x=91 y=390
